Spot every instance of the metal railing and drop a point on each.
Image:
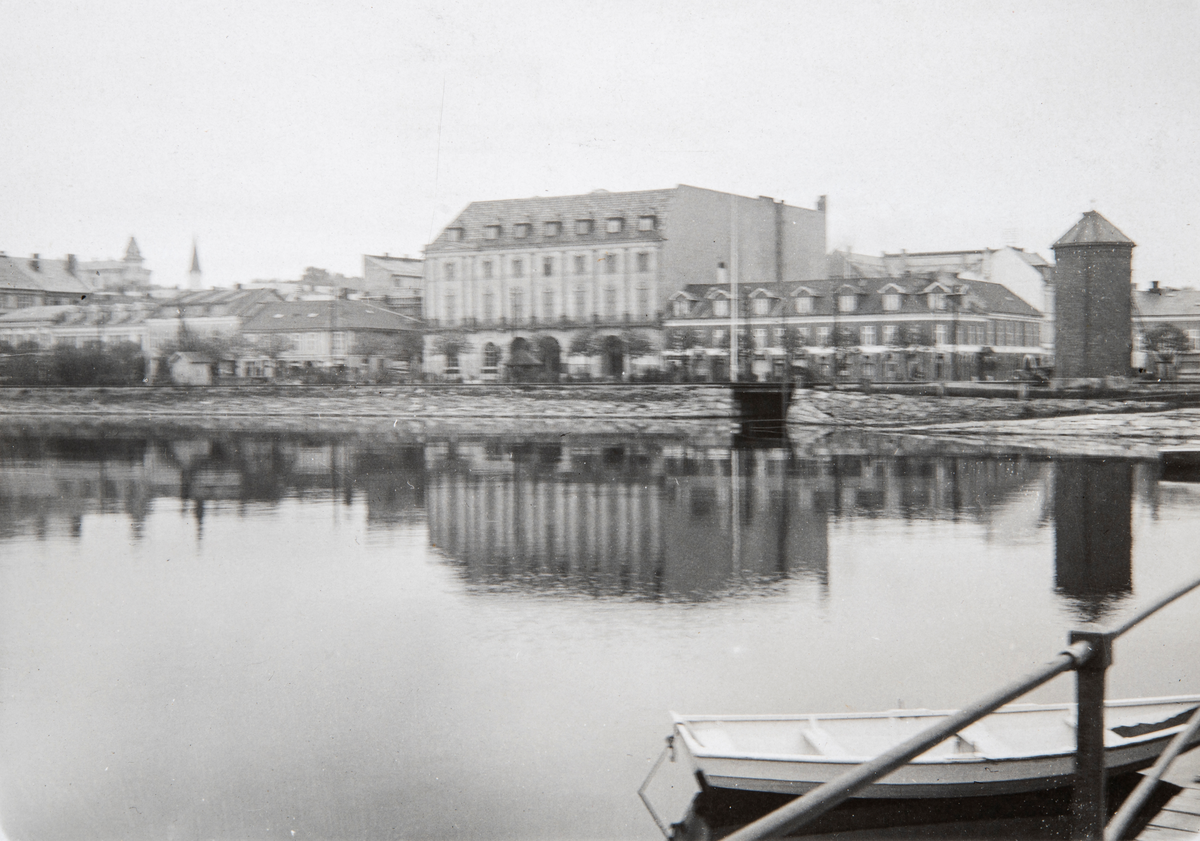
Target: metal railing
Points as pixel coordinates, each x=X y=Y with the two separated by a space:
x=1089 y=655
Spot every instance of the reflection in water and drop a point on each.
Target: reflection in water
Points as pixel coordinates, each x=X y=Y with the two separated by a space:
x=1093 y=535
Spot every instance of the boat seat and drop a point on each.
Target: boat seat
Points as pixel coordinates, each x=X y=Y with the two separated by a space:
x=825 y=744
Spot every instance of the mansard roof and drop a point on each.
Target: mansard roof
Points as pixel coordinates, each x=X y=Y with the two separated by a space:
x=1093 y=229
x=599 y=206
x=979 y=296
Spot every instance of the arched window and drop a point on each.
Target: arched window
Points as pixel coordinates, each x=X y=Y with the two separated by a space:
x=491 y=357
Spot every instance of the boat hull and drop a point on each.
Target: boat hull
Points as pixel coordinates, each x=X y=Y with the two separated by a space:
x=1018 y=749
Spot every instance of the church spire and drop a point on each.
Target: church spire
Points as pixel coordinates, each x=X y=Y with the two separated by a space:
x=195 y=277
x=133 y=254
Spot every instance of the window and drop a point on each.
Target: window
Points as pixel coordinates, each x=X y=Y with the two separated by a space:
x=491 y=232
x=580 y=264
x=681 y=307
x=721 y=307
x=718 y=338
x=802 y=335
x=847 y=302
x=448 y=271
x=804 y=303
x=516 y=301
x=937 y=301
x=823 y=335
x=489 y=305
x=580 y=302
x=891 y=302
x=1194 y=338
x=310 y=342
x=451 y=306
x=614 y=225
x=779 y=337
x=610 y=302
x=991 y=333
x=610 y=263
x=647 y=223
x=552 y=229
x=547 y=266
x=518 y=268
x=491 y=357
x=339 y=342
x=867 y=336
x=643 y=261
x=454 y=234
x=522 y=230
x=451 y=360
x=939 y=334
x=762 y=305
x=643 y=302
x=889 y=334
x=583 y=226
x=487 y=269
x=760 y=338
x=547 y=303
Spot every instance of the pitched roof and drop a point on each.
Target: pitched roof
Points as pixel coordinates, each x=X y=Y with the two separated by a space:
x=599 y=205
x=1168 y=303
x=219 y=302
x=407 y=266
x=1093 y=229
x=132 y=253
x=302 y=316
x=50 y=276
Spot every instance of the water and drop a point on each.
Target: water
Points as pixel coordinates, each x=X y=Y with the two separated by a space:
x=262 y=636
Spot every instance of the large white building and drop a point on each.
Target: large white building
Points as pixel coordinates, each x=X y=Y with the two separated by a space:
x=516 y=285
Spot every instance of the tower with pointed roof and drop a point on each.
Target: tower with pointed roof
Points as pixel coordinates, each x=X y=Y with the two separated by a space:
x=195 y=276
x=1093 y=301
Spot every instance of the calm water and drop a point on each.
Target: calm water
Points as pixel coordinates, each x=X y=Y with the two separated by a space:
x=253 y=637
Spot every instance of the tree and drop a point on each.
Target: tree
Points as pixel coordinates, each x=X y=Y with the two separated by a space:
x=585 y=343
x=1166 y=341
x=636 y=344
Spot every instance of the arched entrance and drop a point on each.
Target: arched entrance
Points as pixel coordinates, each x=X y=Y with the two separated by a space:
x=523 y=366
x=551 y=356
x=612 y=356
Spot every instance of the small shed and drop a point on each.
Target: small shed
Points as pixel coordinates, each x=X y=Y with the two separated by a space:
x=189 y=368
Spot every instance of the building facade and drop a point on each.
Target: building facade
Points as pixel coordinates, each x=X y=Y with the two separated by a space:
x=1093 y=301
x=38 y=282
x=584 y=281
x=934 y=326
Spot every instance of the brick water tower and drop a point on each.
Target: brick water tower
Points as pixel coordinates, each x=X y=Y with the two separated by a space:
x=1093 y=307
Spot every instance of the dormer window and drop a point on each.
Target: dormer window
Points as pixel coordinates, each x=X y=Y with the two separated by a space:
x=552 y=229
x=454 y=234
x=847 y=302
x=804 y=304
x=647 y=223
x=762 y=305
x=721 y=307
x=583 y=226
x=681 y=307
x=491 y=232
x=937 y=301
x=891 y=301
x=522 y=230
x=614 y=225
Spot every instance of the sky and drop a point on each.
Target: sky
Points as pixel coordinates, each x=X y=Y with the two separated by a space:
x=280 y=135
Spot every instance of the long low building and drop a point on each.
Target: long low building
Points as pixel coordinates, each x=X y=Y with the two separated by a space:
x=935 y=326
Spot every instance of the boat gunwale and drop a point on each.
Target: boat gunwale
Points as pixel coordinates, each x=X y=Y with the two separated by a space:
x=697 y=750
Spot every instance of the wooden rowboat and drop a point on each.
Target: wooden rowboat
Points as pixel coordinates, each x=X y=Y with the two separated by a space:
x=1019 y=748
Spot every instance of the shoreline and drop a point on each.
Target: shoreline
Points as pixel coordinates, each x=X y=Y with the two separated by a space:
x=1130 y=427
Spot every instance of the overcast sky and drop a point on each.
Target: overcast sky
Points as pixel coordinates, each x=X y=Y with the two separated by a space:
x=284 y=134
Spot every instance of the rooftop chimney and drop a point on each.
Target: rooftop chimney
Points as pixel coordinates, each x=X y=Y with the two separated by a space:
x=821 y=200
x=35 y=263
x=71 y=264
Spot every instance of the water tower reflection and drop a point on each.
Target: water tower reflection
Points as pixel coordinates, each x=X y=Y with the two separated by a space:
x=1093 y=535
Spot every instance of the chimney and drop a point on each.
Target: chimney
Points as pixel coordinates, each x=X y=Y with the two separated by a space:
x=35 y=263
x=821 y=201
x=722 y=273
x=71 y=264
x=1154 y=290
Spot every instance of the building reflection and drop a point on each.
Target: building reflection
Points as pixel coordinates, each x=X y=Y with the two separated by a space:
x=1093 y=542
x=671 y=520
